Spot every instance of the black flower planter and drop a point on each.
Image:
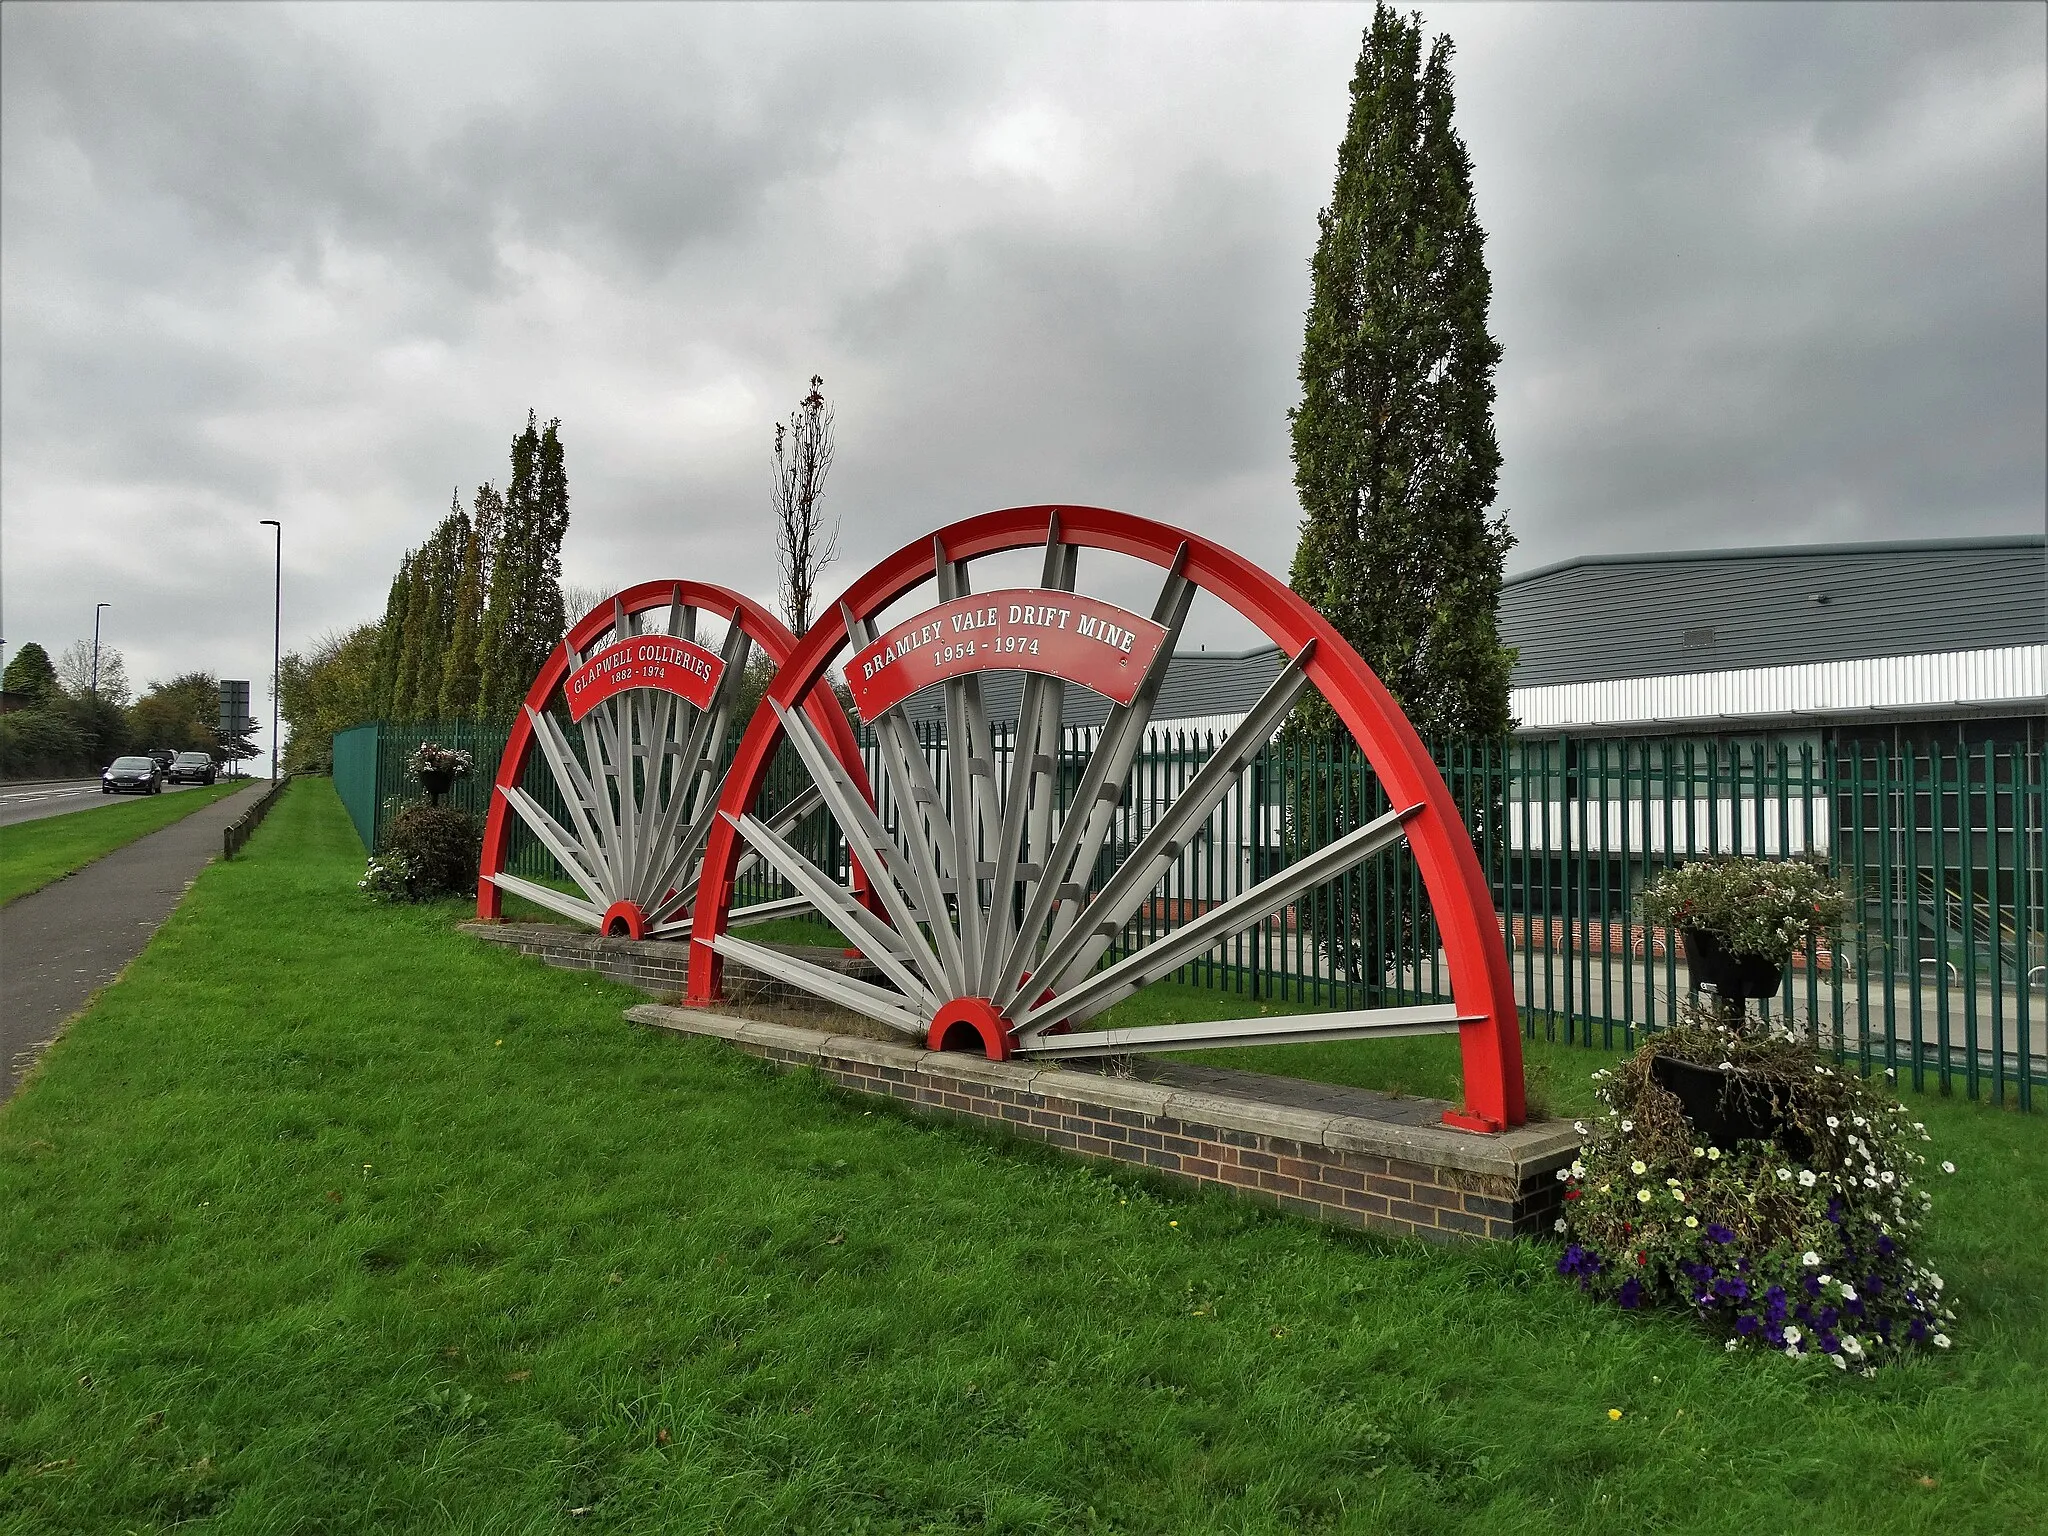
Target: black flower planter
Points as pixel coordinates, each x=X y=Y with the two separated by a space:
x=1734 y=978
x=1727 y=1107
x=436 y=782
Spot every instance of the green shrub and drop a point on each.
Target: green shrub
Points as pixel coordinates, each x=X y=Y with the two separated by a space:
x=432 y=851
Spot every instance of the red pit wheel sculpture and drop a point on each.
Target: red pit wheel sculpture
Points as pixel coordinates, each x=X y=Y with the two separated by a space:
x=983 y=920
x=655 y=707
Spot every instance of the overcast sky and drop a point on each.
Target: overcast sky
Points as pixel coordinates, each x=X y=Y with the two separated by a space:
x=1763 y=274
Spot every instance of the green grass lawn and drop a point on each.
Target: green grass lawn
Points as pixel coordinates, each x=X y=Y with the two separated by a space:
x=33 y=853
x=326 y=1217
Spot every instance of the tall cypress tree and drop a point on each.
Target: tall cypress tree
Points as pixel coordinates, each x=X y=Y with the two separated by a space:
x=1394 y=452
x=459 y=677
x=390 y=644
x=524 y=617
x=417 y=637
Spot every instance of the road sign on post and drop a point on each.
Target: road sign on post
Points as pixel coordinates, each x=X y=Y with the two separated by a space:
x=235 y=719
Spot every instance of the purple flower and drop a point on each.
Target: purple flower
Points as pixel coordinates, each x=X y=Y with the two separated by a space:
x=1719 y=1234
x=1746 y=1325
x=1732 y=1288
x=1917 y=1330
x=1884 y=1247
x=1829 y=1316
x=1631 y=1293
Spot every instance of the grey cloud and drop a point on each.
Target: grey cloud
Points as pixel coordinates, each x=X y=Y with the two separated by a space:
x=1761 y=274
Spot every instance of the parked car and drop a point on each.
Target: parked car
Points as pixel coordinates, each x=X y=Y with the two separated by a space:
x=192 y=768
x=163 y=757
x=132 y=775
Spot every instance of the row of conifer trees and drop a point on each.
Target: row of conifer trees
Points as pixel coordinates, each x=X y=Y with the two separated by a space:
x=474 y=611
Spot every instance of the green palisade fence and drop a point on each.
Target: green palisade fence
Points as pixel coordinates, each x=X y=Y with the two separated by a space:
x=1937 y=974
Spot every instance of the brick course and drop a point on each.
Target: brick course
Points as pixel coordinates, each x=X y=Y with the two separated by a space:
x=1349 y=1170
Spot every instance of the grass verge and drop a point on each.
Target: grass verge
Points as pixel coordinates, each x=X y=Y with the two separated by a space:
x=34 y=853
x=326 y=1217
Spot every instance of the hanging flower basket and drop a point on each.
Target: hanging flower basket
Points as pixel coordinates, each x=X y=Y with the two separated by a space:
x=1743 y=918
x=437 y=768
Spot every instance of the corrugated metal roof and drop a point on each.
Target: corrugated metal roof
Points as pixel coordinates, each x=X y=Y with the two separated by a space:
x=1656 y=615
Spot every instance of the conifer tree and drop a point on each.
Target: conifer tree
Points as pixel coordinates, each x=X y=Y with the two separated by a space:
x=390 y=642
x=416 y=637
x=31 y=675
x=459 y=678
x=1394 y=453
x=523 y=619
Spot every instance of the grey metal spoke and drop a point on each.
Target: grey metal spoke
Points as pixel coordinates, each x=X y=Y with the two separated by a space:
x=1241 y=911
x=1095 y=786
x=1075 y=952
x=697 y=767
x=559 y=841
x=857 y=821
x=1058 y=575
x=1172 y=611
x=848 y=992
x=963 y=768
x=797 y=809
x=921 y=818
x=555 y=901
x=863 y=929
x=578 y=792
x=1217 y=1034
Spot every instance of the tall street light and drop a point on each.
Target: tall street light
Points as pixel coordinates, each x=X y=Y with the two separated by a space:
x=95 y=684
x=276 y=635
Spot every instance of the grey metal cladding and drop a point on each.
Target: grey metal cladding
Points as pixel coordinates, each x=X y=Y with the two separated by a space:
x=1197 y=683
x=1618 y=616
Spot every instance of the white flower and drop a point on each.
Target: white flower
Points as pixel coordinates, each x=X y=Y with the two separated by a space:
x=1638 y=1166
x=1849 y=1344
x=1578 y=1170
x=1692 y=1221
x=1941 y=1341
x=1833 y=1123
x=1643 y=1195
x=1840 y=1363
x=1807 y=1178
x=1732 y=1345
x=1628 y=1125
x=1713 y=1154
x=1792 y=1335
x=1885 y=1177
x=1938 y=1281
x=1810 y=1259
x=1563 y=1174
x=1579 y=1126
x=1848 y=1293
x=1784 y=1174
x=1560 y=1225
x=1699 y=1151
x=1825 y=1279
x=1948 y=1167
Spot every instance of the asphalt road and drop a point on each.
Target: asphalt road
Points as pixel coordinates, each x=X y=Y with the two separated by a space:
x=53 y=797
x=61 y=944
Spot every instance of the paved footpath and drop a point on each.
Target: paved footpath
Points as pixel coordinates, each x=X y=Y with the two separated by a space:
x=61 y=944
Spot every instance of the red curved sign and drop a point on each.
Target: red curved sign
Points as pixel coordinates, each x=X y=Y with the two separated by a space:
x=645 y=661
x=1081 y=639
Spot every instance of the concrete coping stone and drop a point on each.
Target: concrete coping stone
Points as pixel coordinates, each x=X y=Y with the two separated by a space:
x=1536 y=1148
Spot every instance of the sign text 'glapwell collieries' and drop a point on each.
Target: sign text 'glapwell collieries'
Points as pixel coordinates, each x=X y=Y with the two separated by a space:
x=1080 y=639
x=644 y=661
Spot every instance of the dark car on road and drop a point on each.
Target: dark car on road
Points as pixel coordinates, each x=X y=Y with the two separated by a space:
x=132 y=775
x=192 y=768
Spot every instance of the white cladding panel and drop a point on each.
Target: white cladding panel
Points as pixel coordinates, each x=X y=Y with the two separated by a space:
x=2016 y=674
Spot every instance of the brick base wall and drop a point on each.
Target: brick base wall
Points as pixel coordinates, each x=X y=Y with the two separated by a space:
x=1389 y=1175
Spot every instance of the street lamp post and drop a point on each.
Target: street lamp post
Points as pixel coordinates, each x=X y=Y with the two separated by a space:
x=276 y=636
x=95 y=684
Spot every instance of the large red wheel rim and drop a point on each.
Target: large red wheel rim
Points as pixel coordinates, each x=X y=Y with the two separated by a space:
x=1487 y=1021
x=763 y=632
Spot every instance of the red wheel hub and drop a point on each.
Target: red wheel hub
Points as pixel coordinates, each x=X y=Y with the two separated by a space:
x=968 y=1023
x=624 y=920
